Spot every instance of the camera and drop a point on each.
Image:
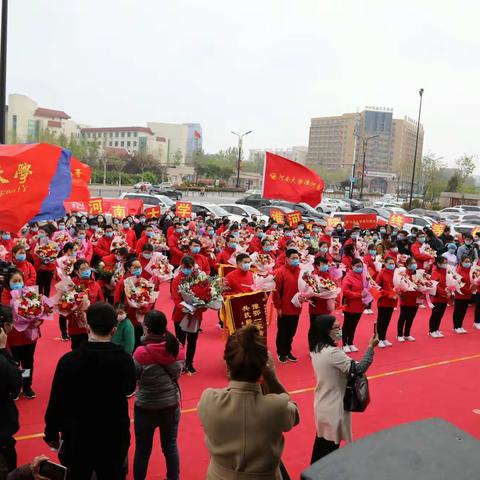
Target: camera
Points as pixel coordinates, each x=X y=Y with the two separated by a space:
x=6 y=271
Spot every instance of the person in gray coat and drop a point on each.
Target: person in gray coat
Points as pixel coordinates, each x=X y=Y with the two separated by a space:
x=158 y=363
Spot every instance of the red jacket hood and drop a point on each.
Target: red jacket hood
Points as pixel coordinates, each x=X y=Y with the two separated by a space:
x=156 y=353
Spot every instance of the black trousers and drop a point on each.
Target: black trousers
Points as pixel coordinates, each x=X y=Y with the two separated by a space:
x=44 y=281
x=322 y=448
x=62 y=323
x=287 y=328
x=8 y=456
x=436 y=316
x=24 y=355
x=459 y=311
x=190 y=339
x=78 y=340
x=405 y=320
x=477 y=308
x=383 y=321
x=138 y=332
x=350 y=323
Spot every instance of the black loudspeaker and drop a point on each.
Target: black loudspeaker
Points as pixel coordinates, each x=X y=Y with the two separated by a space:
x=426 y=450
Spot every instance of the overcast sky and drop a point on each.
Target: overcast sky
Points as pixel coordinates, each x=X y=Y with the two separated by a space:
x=261 y=65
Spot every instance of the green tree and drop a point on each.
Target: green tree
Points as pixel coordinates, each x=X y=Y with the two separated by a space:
x=430 y=178
x=454 y=182
x=466 y=166
x=177 y=158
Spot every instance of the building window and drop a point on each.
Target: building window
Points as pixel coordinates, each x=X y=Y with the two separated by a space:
x=135 y=134
x=129 y=134
x=134 y=144
x=128 y=144
x=110 y=144
x=123 y=134
x=116 y=134
x=122 y=144
x=116 y=143
x=142 y=144
x=111 y=135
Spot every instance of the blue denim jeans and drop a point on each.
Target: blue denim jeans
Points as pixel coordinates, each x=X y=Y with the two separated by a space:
x=146 y=422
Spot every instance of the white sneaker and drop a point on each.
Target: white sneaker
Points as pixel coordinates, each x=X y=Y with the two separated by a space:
x=410 y=338
x=381 y=344
x=422 y=306
x=476 y=325
x=401 y=339
x=440 y=334
x=463 y=330
x=457 y=330
x=353 y=348
x=368 y=311
x=346 y=349
x=434 y=334
x=387 y=343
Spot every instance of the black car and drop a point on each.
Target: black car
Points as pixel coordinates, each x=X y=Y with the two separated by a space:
x=168 y=192
x=254 y=200
x=307 y=211
x=355 y=204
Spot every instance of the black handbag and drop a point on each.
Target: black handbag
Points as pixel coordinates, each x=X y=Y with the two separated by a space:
x=357 y=395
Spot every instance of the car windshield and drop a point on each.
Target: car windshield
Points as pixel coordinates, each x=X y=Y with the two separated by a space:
x=250 y=210
x=309 y=209
x=383 y=213
x=167 y=201
x=217 y=210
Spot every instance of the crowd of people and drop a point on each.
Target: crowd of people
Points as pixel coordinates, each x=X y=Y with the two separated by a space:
x=102 y=278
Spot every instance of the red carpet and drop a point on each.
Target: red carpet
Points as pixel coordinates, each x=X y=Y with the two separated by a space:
x=448 y=390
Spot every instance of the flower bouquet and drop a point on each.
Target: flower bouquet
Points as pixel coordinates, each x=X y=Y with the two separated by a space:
x=105 y=271
x=140 y=294
x=428 y=250
x=334 y=249
x=159 y=242
x=23 y=242
x=454 y=282
x=71 y=299
x=65 y=266
x=208 y=246
x=118 y=241
x=475 y=276
x=61 y=237
x=30 y=309
x=159 y=268
x=265 y=282
x=425 y=285
x=263 y=262
x=118 y=273
x=311 y=285
x=96 y=236
x=47 y=252
x=402 y=282
x=3 y=253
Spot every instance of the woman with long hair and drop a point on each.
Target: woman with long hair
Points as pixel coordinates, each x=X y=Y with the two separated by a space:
x=243 y=426
x=387 y=301
x=408 y=306
x=158 y=363
x=439 y=274
x=332 y=368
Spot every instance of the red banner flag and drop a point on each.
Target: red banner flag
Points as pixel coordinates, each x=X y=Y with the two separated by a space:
x=277 y=215
x=246 y=309
x=75 y=206
x=333 y=221
x=26 y=172
x=121 y=208
x=294 y=218
x=152 y=212
x=396 y=220
x=183 y=209
x=95 y=206
x=80 y=178
x=362 y=220
x=438 y=228
x=287 y=180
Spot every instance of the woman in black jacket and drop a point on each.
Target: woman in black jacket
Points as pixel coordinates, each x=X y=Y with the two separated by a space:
x=159 y=363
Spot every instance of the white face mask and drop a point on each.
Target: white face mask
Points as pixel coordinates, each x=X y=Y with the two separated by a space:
x=338 y=334
x=121 y=317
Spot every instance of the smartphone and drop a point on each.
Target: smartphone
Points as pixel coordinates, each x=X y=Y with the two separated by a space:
x=375 y=332
x=52 y=471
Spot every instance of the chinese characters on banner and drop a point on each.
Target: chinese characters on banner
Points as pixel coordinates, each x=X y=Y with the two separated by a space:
x=288 y=180
x=277 y=215
x=363 y=220
x=246 y=309
x=309 y=226
x=80 y=179
x=95 y=206
x=333 y=221
x=294 y=218
x=152 y=212
x=396 y=220
x=116 y=207
x=475 y=231
x=183 y=209
x=438 y=228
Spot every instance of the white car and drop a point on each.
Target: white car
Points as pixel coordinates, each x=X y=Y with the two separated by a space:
x=217 y=210
x=326 y=206
x=246 y=211
x=144 y=185
x=340 y=204
x=416 y=221
x=149 y=200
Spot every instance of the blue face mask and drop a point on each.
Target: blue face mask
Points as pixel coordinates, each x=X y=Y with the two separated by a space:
x=42 y=234
x=288 y=234
x=260 y=234
x=324 y=249
x=413 y=267
x=300 y=227
x=6 y=236
x=81 y=236
x=150 y=234
x=146 y=255
x=195 y=249
x=211 y=232
x=86 y=273
x=21 y=257
x=235 y=234
x=401 y=237
x=267 y=248
x=16 y=286
x=187 y=271
x=126 y=225
x=295 y=262
x=372 y=252
x=179 y=230
x=316 y=229
x=390 y=266
x=382 y=230
x=467 y=265
x=245 y=266
x=109 y=234
x=324 y=268
x=274 y=225
x=358 y=269
x=307 y=236
x=61 y=227
x=137 y=272
x=421 y=239
x=233 y=246
x=354 y=236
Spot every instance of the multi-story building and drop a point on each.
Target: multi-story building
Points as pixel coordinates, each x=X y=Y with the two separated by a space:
x=297 y=154
x=194 y=142
x=26 y=121
x=176 y=136
x=387 y=144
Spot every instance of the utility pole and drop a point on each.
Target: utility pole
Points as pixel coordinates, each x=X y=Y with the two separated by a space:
x=365 y=146
x=420 y=92
x=3 y=73
x=239 y=161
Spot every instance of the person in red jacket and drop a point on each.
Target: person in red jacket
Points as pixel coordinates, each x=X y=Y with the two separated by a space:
x=19 y=259
x=256 y=242
x=224 y=256
x=102 y=248
x=22 y=344
x=145 y=237
x=129 y=233
x=369 y=261
x=387 y=301
x=144 y=258
x=408 y=306
x=187 y=269
x=462 y=300
x=439 y=274
x=321 y=306
x=195 y=247
x=287 y=236
x=45 y=270
x=354 y=293
x=286 y=281
x=349 y=254
x=173 y=242
x=240 y=280
x=7 y=242
x=76 y=322
x=420 y=257
x=85 y=245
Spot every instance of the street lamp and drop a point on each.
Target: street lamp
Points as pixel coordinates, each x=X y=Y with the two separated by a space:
x=240 y=138
x=365 y=145
x=3 y=72
x=420 y=92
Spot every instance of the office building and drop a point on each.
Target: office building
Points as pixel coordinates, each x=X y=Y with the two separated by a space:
x=297 y=154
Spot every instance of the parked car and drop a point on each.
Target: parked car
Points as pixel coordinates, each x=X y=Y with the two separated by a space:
x=219 y=212
x=252 y=191
x=380 y=212
x=429 y=213
x=355 y=204
x=307 y=211
x=149 y=200
x=470 y=208
x=326 y=206
x=465 y=218
x=463 y=228
x=416 y=221
x=340 y=204
x=255 y=200
x=245 y=211
x=145 y=186
x=451 y=210
x=341 y=215
x=167 y=191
